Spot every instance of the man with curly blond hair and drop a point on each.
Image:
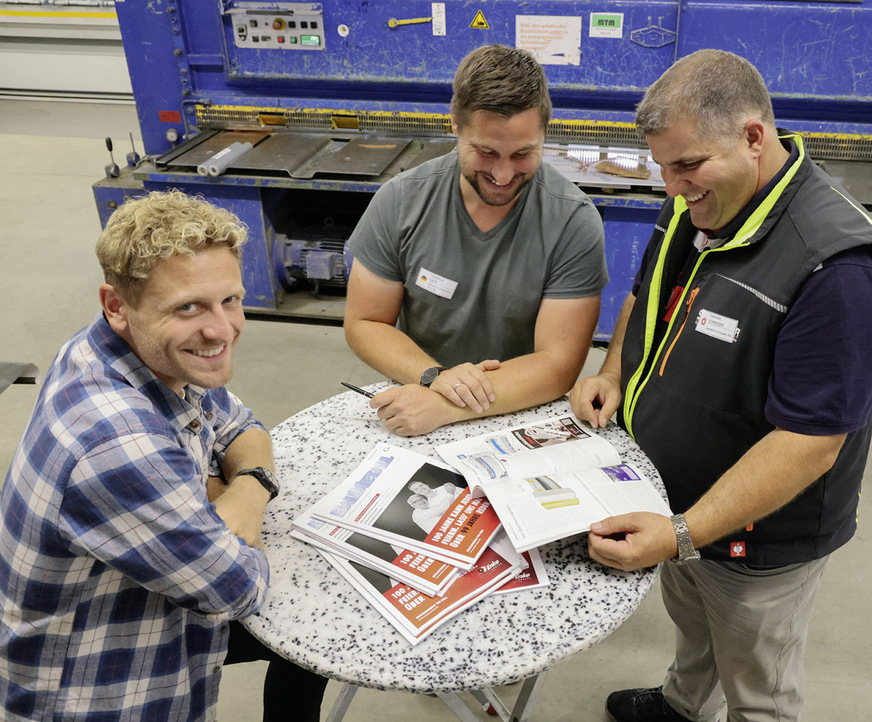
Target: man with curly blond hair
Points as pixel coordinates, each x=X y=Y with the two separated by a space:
x=132 y=511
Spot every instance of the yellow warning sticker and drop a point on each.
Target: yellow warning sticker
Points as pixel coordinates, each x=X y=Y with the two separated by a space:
x=478 y=22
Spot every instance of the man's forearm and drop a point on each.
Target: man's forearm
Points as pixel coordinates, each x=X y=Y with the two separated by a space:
x=387 y=350
x=526 y=381
x=774 y=471
x=249 y=449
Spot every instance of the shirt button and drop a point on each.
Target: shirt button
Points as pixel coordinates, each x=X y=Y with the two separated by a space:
x=209 y=416
x=195 y=424
x=216 y=670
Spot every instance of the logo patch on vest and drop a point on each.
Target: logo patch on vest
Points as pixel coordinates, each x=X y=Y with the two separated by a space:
x=737 y=549
x=717 y=326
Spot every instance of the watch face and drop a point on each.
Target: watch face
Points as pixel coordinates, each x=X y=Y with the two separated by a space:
x=429 y=376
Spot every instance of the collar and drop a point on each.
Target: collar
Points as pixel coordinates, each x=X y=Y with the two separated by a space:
x=115 y=352
x=729 y=230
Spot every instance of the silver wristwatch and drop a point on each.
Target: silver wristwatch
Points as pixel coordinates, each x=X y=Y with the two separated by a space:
x=266 y=478
x=686 y=551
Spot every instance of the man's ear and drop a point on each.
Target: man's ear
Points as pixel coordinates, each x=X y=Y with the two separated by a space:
x=754 y=132
x=453 y=123
x=115 y=308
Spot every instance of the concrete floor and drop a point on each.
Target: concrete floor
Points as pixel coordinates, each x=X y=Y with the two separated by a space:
x=52 y=152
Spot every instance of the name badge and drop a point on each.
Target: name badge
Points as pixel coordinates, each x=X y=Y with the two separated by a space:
x=434 y=283
x=717 y=326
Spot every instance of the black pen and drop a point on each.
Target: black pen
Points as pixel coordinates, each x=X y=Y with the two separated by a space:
x=357 y=389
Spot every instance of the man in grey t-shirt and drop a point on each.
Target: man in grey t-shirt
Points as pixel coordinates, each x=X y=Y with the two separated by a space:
x=477 y=276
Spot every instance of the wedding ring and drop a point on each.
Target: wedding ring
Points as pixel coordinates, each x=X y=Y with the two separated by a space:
x=459 y=383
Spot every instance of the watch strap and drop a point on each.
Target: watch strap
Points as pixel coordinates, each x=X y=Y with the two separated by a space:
x=686 y=550
x=266 y=478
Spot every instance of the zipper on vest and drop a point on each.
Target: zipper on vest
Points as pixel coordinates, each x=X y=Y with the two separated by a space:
x=689 y=305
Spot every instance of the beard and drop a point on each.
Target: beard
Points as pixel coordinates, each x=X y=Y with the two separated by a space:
x=496 y=199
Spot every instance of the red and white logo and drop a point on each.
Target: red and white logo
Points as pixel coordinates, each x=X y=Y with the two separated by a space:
x=737 y=549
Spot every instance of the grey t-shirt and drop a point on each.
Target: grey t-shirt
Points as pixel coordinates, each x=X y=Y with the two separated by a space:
x=471 y=295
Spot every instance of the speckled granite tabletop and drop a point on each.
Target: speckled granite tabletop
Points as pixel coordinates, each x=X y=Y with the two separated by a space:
x=314 y=617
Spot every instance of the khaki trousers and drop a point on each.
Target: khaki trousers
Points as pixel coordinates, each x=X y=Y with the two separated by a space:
x=740 y=639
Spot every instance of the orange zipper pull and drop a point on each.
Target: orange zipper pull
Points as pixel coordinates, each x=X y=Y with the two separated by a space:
x=690 y=301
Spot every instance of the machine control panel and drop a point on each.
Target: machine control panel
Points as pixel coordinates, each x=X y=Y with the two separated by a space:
x=288 y=26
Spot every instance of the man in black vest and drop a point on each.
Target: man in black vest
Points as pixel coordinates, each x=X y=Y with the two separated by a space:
x=739 y=364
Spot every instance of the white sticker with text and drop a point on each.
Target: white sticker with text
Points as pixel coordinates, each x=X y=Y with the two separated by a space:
x=717 y=326
x=434 y=283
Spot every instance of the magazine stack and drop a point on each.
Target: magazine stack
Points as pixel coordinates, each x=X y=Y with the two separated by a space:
x=423 y=540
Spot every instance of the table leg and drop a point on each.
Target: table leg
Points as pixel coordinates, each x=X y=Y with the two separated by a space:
x=458 y=706
x=523 y=708
x=340 y=706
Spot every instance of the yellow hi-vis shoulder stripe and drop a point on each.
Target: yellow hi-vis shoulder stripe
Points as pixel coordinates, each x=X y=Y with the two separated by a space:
x=652 y=305
x=748 y=229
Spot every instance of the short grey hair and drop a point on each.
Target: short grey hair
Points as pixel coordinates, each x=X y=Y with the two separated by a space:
x=721 y=90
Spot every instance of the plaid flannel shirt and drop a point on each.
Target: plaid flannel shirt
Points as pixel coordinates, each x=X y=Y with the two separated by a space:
x=117 y=577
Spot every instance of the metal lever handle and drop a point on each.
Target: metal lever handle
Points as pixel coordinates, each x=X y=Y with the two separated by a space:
x=393 y=22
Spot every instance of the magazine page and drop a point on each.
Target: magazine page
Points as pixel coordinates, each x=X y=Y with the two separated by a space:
x=551 y=446
x=542 y=509
x=416 y=615
x=411 y=501
x=532 y=575
x=424 y=573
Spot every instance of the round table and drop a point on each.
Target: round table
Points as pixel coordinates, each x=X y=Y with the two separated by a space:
x=315 y=618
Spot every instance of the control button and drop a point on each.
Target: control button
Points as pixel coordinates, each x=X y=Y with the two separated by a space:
x=292 y=23
x=278 y=24
x=313 y=25
x=304 y=24
x=253 y=23
x=292 y=40
x=280 y=39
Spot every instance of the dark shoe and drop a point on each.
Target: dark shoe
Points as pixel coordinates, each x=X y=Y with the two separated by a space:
x=642 y=705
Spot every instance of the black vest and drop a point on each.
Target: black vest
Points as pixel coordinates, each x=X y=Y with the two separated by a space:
x=694 y=401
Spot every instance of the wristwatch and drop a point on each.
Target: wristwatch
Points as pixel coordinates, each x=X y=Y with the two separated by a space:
x=266 y=478
x=429 y=375
x=686 y=551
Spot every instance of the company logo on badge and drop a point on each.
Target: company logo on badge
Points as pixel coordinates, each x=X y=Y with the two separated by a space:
x=737 y=549
x=717 y=326
x=436 y=284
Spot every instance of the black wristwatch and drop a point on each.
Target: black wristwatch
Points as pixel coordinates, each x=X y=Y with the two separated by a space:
x=430 y=374
x=266 y=478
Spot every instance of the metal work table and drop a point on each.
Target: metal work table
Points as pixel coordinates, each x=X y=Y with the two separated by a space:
x=313 y=616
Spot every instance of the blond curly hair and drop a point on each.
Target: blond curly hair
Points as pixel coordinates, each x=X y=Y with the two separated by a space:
x=160 y=225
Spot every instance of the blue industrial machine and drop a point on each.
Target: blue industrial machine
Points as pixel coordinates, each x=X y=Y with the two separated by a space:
x=293 y=114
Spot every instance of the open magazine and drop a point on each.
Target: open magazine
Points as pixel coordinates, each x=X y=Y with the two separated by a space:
x=408 y=501
x=551 y=479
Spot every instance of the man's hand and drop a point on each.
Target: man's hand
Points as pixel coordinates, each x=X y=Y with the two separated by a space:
x=595 y=398
x=241 y=506
x=467 y=384
x=633 y=541
x=412 y=410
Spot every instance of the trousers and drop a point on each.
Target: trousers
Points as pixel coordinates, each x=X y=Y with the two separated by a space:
x=740 y=639
x=290 y=693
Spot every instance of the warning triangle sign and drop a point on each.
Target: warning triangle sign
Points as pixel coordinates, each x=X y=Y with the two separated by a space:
x=478 y=22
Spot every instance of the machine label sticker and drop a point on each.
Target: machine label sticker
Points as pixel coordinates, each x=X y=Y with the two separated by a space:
x=717 y=326
x=434 y=283
x=606 y=25
x=437 y=10
x=551 y=39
